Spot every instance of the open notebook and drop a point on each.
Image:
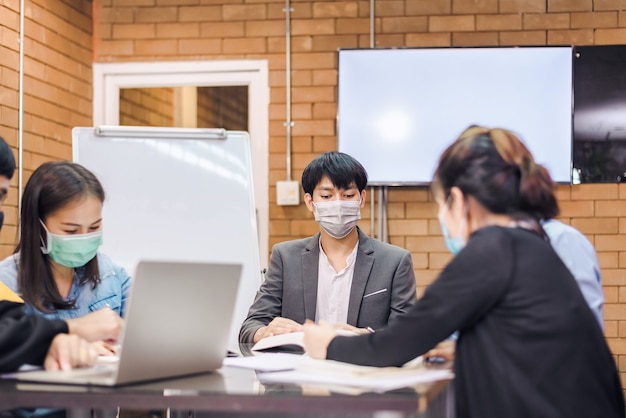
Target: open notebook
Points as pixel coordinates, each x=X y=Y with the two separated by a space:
x=292 y=341
x=177 y=323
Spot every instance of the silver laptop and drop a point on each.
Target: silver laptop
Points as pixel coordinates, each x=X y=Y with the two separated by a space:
x=177 y=323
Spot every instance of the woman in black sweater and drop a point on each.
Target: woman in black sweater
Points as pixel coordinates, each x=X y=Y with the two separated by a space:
x=528 y=344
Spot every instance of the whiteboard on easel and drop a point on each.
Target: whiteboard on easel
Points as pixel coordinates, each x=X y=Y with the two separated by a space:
x=176 y=194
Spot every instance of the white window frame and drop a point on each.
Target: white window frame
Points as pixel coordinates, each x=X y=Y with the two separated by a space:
x=109 y=78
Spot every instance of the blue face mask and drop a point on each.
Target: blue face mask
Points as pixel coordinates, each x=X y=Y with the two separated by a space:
x=71 y=250
x=454 y=244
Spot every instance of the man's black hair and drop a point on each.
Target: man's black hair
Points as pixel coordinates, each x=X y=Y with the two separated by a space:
x=342 y=170
x=7 y=160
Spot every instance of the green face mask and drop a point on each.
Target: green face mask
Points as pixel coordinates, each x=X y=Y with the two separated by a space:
x=71 y=250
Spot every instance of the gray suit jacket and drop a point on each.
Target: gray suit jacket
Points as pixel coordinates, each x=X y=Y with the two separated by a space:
x=383 y=285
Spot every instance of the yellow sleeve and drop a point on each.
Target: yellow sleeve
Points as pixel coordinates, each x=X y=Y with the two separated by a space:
x=8 y=295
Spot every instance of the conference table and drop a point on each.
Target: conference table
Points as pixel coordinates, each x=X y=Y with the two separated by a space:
x=227 y=392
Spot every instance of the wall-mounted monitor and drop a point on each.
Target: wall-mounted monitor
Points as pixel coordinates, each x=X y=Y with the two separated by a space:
x=398 y=109
x=600 y=114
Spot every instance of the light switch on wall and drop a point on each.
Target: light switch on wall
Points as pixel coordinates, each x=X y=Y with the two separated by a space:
x=287 y=193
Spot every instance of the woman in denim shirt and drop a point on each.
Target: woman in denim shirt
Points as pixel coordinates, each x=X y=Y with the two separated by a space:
x=56 y=268
x=110 y=293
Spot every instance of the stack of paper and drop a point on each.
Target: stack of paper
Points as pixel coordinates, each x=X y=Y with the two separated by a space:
x=267 y=362
x=338 y=374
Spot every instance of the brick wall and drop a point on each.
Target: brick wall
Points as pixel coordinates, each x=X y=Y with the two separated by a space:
x=147 y=107
x=57 y=86
x=223 y=107
x=131 y=30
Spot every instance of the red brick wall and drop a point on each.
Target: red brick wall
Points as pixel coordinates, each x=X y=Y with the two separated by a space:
x=57 y=86
x=130 y=30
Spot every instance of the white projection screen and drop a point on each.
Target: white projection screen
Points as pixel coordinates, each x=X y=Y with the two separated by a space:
x=398 y=109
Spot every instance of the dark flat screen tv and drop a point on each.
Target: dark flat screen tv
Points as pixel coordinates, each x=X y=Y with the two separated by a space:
x=600 y=114
x=398 y=109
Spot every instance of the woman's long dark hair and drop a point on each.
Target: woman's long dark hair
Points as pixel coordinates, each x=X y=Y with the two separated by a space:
x=496 y=168
x=51 y=186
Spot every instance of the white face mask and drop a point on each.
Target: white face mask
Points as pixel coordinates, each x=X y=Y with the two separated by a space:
x=337 y=217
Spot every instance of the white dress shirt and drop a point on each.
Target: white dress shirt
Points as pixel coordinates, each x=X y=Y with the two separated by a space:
x=333 y=289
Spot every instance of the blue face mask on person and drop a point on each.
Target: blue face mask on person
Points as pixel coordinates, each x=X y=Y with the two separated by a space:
x=454 y=244
x=71 y=250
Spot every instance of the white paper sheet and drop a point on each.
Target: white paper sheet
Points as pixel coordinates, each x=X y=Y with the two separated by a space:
x=374 y=384
x=267 y=362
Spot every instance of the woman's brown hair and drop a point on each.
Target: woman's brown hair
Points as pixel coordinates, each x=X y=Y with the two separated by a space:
x=495 y=167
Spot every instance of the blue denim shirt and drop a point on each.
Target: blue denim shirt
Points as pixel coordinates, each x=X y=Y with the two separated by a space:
x=112 y=289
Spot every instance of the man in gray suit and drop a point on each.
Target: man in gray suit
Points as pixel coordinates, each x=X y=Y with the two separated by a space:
x=339 y=275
